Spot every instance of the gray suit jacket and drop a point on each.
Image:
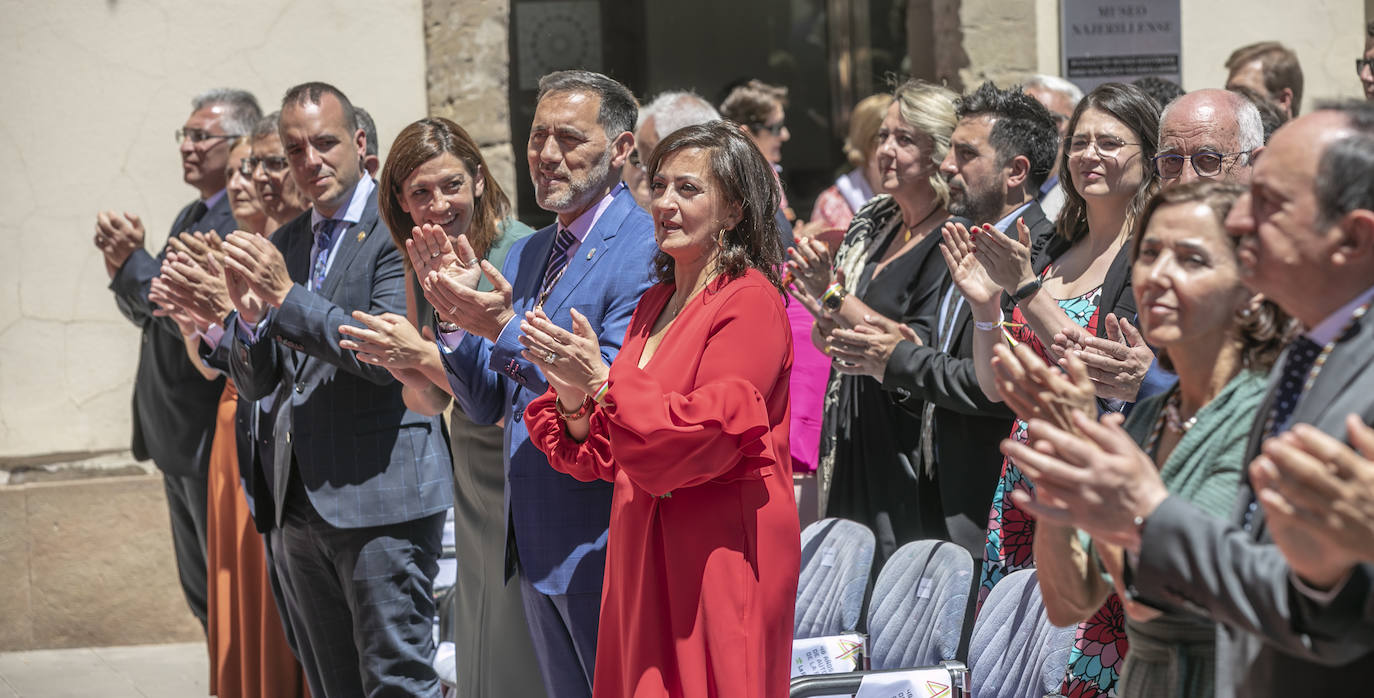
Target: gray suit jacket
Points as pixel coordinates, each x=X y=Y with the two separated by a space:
x=173 y=405
x=365 y=459
x=1272 y=641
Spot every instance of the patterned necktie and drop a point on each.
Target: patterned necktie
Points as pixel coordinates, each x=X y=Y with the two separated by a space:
x=949 y=309
x=1292 y=381
x=324 y=232
x=558 y=262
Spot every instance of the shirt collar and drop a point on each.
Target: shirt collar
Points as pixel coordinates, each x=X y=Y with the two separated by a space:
x=1328 y=330
x=583 y=223
x=216 y=198
x=1005 y=224
x=354 y=211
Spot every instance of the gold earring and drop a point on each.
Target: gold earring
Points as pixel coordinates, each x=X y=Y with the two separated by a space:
x=720 y=238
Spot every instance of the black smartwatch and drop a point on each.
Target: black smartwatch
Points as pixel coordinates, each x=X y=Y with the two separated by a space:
x=1026 y=291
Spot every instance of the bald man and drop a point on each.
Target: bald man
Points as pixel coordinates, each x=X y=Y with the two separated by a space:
x=1208 y=134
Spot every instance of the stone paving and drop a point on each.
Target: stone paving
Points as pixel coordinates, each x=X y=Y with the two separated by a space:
x=139 y=671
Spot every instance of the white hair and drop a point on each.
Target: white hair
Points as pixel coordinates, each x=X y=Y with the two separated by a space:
x=674 y=110
x=1058 y=85
x=1249 y=127
x=241 y=113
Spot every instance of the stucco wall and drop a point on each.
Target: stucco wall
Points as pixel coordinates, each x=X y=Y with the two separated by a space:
x=1327 y=35
x=92 y=93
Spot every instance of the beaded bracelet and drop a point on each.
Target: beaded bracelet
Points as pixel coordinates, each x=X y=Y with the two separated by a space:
x=578 y=414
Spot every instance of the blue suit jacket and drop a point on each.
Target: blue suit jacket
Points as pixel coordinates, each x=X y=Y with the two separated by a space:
x=173 y=405
x=365 y=459
x=558 y=523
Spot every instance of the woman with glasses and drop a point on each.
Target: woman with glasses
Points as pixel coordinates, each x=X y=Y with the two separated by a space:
x=1221 y=340
x=435 y=177
x=886 y=271
x=1075 y=285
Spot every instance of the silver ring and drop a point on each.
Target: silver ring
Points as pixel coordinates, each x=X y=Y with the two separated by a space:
x=432 y=255
x=472 y=262
x=549 y=356
x=453 y=310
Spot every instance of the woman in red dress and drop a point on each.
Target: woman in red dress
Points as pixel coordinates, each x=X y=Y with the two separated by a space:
x=691 y=423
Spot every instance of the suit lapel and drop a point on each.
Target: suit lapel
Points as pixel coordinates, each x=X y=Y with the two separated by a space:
x=1350 y=358
x=591 y=250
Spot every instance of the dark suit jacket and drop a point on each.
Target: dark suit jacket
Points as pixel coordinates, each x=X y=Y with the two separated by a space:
x=559 y=523
x=968 y=427
x=365 y=459
x=173 y=404
x=1272 y=641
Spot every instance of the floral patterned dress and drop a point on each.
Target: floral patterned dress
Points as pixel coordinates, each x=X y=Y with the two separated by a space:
x=1100 y=642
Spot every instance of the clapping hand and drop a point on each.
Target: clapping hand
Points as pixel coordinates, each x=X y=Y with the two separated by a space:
x=571 y=361
x=259 y=264
x=197 y=286
x=810 y=264
x=1097 y=479
x=1006 y=260
x=967 y=272
x=198 y=247
x=1034 y=390
x=431 y=250
x=1318 y=499
x=866 y=349
x=1116 y=365
x=117 y=236
x=390 y=341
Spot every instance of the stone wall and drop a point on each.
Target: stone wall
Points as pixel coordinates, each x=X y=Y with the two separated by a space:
x=467 y=75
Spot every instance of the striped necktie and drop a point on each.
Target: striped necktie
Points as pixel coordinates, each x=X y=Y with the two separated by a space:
x=558 y=262
x=324 y=233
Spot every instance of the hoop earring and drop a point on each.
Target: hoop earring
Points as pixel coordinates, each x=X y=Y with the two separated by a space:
x=720 y=239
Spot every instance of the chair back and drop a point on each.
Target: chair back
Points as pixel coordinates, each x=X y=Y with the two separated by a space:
x=1014 y=650
x=837 y=558
x=918 y=605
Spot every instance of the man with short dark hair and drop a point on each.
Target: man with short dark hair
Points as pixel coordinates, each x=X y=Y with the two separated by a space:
x=173 y=404
x=1294 y=612
x=1271 y=69
x=349 y=485
x=596 y=258
x=1208 y=134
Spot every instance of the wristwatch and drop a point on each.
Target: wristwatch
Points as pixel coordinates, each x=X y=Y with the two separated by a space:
x=834 y=297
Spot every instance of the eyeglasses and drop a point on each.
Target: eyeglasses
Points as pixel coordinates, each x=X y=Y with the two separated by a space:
x=775 y=129
x=1362 y=63
x=271 y=163
x=1106 y=146
x=197 y=136
x=1205 y=163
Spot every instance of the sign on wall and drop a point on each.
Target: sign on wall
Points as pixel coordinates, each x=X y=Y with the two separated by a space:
x=1119 y=40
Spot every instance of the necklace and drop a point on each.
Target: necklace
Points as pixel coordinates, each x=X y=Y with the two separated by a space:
x=1173 y=415
x=1322 y=358
x=685 y=299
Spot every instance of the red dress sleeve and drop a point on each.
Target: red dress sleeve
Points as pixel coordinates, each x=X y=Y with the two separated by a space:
x=719 y=427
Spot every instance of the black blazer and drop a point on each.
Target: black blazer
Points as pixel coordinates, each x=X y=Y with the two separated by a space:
x=968 y=426
x=363 y=457
x=173 y=405
x=1116 y=287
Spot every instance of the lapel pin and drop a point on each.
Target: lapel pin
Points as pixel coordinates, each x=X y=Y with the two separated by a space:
x=591 y=252
x=361 y=235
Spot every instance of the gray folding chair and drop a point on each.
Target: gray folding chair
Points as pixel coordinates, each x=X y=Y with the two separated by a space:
x=1015 y=651
x=837 y=558
x=914 y=619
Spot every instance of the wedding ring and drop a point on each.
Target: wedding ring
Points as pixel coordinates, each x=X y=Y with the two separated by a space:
x=549 y=356
x=473 y=262
x=432 y=255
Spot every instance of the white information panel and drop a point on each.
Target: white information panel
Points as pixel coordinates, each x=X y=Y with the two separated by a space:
x=1119 y=40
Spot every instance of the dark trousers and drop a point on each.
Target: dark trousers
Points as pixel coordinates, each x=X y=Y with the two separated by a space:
x=563 y=628
x=359 y=602
x=187 y=497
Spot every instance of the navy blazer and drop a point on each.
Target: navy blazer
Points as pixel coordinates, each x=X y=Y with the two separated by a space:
x=559 y=523
x=173 y=405
x=365 y=459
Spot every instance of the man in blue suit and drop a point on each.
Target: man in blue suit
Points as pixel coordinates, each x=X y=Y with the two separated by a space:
x=173 y=405
x=349 y=485
x=596 y=258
